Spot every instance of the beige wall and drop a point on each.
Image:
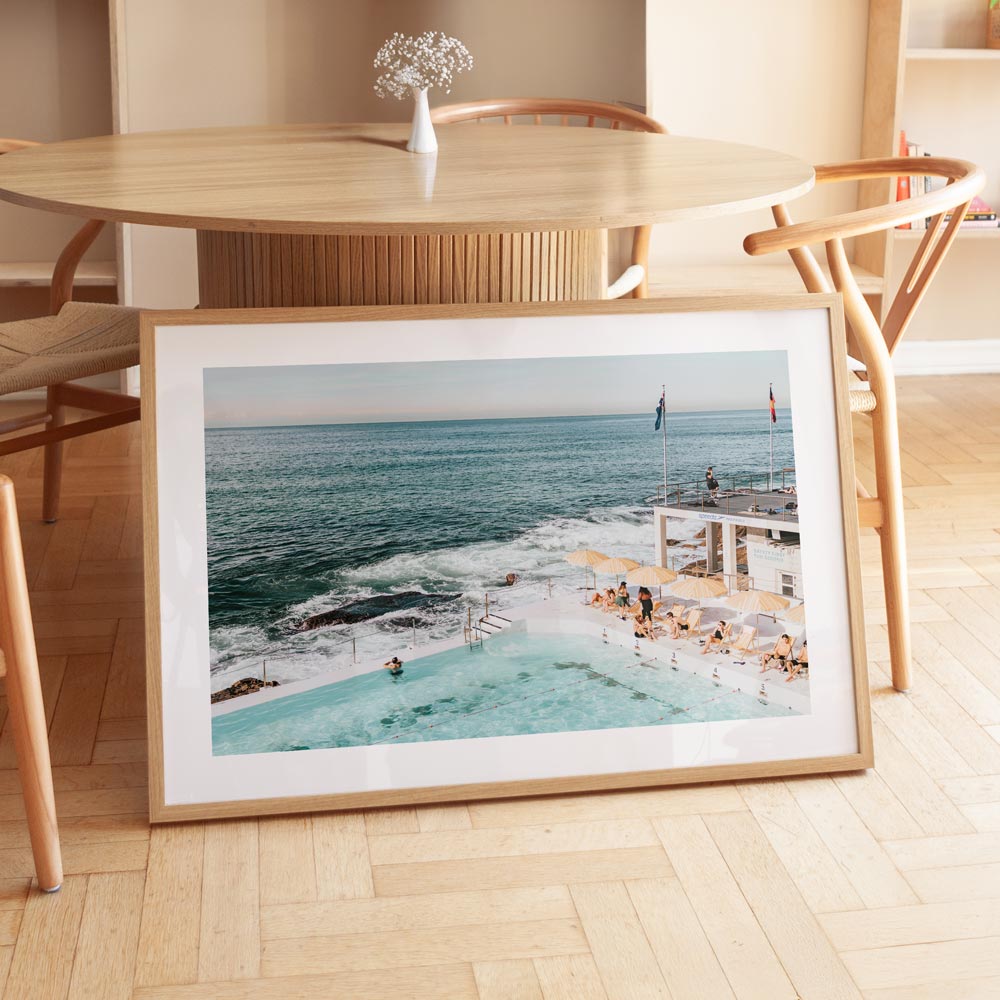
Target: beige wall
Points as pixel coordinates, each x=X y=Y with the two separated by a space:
x=55 y=83
x=785 y=74
x=252 y=61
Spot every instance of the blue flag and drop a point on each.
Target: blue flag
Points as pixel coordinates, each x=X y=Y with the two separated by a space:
x=661 y=408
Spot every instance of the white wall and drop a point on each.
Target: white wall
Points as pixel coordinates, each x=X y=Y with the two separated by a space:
x=784 y=74
x=254 y=61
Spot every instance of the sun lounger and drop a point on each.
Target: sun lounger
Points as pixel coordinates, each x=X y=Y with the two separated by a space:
x=744 y=642
x=693 y=623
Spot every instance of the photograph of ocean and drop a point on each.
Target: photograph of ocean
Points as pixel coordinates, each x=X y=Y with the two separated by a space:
x=331 y=541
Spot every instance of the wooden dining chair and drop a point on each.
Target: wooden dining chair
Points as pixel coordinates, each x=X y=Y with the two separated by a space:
x=568 y=111
x=26 y=713
x=77 y=340
x=873 y=343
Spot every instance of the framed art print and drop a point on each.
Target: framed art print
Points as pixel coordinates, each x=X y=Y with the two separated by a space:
x=411 y=554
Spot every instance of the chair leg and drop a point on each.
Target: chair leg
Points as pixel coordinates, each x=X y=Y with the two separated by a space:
x=892 y=535
x=24 y=698
x=52 y=477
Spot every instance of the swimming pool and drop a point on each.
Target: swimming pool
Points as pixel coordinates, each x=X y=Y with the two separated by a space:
x=516 y=683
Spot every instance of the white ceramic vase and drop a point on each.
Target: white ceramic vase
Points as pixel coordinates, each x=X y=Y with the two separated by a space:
x=422 y=137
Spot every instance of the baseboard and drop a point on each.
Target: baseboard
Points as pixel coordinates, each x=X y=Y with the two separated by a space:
x=947 y=357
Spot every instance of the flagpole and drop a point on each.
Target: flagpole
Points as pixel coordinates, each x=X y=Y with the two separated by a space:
x=664 y=415
x=770 y=438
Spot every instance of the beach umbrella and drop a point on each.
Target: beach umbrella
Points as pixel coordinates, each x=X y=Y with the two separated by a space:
x=651 y=576
x=796 y=614
x=699 y=587
x=757 y=601
x=617 y=566
x=585 y=558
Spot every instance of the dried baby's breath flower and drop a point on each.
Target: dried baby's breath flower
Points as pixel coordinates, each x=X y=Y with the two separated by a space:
x=413 y=63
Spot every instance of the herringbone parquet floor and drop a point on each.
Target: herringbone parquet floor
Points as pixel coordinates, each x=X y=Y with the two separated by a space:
x=884 y=884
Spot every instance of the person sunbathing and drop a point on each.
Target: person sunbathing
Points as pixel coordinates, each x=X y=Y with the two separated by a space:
x=608 y=604
x=643 y=628
x=692 y=620
x=720 y=635
x=669 y=622
x=798 y=663
x=781 y=652
x=597 y=600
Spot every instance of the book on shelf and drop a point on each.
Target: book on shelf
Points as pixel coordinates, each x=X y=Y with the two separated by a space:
x=903 y=180
x=979 y=214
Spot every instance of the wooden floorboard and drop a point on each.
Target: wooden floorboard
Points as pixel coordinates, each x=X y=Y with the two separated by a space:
x=883 y=885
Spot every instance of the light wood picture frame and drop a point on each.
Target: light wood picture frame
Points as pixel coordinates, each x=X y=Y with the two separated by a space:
x=213 y=381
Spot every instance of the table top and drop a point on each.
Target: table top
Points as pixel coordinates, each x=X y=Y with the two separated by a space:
x=338 y=179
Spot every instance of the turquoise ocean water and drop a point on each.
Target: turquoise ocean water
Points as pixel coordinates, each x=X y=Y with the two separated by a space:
x=307 y=520
x=512 y=685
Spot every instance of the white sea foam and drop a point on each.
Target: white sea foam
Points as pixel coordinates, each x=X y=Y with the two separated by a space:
x=536 y=556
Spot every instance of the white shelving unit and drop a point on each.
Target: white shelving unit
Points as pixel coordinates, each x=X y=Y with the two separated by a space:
x=953 y=55
x=930 y=74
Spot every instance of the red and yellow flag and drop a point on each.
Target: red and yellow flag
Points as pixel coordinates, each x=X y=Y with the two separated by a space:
x=770 y=393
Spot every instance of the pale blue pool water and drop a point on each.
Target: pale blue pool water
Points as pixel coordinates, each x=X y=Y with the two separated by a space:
x=515 y=684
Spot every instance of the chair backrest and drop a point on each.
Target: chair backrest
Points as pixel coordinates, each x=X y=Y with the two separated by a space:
x=747 y=635
x=694 y=618
x=64 y=273
x=867 y=340
x=541 y=108
x=568 y=111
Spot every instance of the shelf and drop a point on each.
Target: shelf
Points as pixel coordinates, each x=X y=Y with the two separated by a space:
x=750 y=276
x=38 y=274
x=963 y=234
x=952 y=55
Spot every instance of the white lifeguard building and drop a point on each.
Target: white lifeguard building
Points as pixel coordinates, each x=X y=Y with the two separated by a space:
x=770 y=517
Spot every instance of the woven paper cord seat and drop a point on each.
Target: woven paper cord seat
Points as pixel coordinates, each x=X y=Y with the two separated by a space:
x=85 y=338
x=863 y=400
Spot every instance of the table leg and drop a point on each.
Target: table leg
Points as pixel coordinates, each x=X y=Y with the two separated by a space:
x=260 y=270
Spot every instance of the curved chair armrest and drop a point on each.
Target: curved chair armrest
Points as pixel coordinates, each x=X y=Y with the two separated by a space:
x=631 y=277
x=64 y=272
x=965 y=180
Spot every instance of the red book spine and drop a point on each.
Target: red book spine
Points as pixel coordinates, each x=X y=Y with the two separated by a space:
x=903 y=181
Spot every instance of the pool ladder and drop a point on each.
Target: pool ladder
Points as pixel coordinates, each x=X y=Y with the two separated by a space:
x=484 y=627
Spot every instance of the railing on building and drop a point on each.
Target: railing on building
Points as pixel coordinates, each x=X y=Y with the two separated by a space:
x=742 y=495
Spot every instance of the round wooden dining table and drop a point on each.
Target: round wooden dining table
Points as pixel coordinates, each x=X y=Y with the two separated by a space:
x=302 y=215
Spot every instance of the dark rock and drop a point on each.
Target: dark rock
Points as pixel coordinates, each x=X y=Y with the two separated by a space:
x=248 y=685
x=371 y=607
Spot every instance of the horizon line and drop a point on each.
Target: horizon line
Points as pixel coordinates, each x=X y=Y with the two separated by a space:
x=459 y=420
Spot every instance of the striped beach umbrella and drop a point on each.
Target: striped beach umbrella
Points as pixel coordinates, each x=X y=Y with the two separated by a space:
x=699 y=587
x=796 y=614
x=616 y=565
x=758 y=601
x=586 y=558
x=651 y=576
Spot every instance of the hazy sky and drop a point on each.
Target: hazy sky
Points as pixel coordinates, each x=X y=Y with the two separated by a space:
x=458 y=390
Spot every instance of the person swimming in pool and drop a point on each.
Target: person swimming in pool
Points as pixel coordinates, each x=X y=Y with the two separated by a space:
x=394 y=666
